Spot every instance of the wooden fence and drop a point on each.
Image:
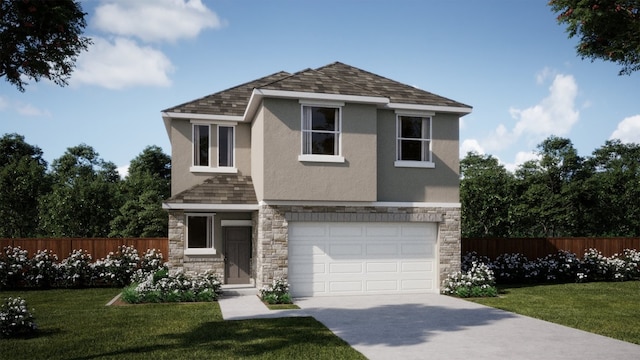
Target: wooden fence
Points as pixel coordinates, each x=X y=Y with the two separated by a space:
x=534 y=248
x=97 y=247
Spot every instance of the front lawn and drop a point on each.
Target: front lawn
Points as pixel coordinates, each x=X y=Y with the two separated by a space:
x=607 y=308
x=76 y=324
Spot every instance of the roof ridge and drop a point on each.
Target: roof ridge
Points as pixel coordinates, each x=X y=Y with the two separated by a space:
x=350 y=82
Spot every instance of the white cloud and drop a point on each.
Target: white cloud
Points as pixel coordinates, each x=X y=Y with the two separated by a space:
x=554 y=115
x=543 y=75
x=30 y=110
x=521 y=158
x=155 y=20
x=122 y=63
x=3 y=103
x=123 y=171
x=628 y=130
x=470 y=145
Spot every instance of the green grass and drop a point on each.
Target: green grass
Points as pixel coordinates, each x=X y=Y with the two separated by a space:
x=607 y=308
x=76 y=324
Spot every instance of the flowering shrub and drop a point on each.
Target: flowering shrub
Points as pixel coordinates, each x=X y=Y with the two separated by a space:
x=15 y=318
x=160 y=286
x=42 y=271
x=77 y=270
x=561 y=267
x=513 y=268
x=15 y=262
x=478 y=281
x=277 y=292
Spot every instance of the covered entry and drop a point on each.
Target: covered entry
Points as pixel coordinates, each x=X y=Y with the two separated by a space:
x=350 y=258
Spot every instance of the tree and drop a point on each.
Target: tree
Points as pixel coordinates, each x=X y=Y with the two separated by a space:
x=616 y=185
x=40 y=38
x=84 y=196
x=144 y=189
x=608 y=29
x=485 y=194
x=23 y=180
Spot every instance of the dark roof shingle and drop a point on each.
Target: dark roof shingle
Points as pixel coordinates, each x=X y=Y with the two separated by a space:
x=219 y=189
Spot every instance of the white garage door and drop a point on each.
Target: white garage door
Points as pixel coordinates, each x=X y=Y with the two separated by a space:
x=362 y=258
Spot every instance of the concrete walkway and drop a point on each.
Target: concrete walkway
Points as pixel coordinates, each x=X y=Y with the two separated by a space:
x=434 y=326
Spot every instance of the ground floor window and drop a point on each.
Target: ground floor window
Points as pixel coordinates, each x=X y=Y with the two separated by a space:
x=199 y=234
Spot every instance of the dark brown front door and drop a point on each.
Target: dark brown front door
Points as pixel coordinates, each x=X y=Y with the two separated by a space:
x=238 y=254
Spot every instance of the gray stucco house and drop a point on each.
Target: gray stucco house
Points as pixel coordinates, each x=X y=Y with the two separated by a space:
x=344 y=181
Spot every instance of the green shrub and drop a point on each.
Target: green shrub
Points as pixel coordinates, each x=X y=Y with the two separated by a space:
x=277 y=292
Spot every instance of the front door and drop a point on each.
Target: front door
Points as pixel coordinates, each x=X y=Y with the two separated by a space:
x=238 y=254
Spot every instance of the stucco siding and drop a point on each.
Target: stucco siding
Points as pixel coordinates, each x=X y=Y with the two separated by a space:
x=257 y=153
x=287 y=178
x=181 y=154
x=439 y=184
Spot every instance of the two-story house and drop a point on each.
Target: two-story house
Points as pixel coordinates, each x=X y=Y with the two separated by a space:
x=341 y=180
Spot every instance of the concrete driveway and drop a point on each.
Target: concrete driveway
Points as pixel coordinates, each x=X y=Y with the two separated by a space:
x=440 y=327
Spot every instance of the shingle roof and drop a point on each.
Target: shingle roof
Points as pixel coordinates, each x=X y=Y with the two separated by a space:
x=232 y=101
x=336 y=78
x=219 y=189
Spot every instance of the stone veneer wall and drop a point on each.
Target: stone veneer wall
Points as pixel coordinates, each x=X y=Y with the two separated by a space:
x=177 y=259
x=272 y=230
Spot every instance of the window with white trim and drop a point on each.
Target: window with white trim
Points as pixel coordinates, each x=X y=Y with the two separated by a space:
x=413 y=146
x=226 y=140
x=321 y=127
x=199 y=234
x=201 y=145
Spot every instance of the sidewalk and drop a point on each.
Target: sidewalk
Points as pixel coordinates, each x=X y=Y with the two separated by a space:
x=241 y=302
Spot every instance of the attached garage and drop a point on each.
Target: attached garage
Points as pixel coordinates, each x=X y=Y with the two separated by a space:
x=351 y=258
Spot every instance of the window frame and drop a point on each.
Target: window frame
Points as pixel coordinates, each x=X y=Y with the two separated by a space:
x=426 y=151
x=306 y=109
x=214 y=159
x=232 y=151
x=196 y=139
x=210 y=241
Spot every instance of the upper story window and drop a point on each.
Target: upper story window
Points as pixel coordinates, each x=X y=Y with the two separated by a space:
x=201 y=145
x=413 y=146
x=209 y=139
x=225 y=146
x=321 y=134
x=199 y=235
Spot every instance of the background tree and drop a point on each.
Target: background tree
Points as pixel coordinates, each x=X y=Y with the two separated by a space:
x=608 y=29
x=84 y=195
x=40 y=38
x=486 y=192
x=23 y=180
x=143 y=190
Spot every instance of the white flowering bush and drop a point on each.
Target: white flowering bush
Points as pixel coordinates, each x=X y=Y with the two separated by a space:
x=561 y=267
x=15 y=318
x=478 y=281
x=77 y=270
x=277 y=292
x=42 y=271
x=15 y=262
x=161 y=286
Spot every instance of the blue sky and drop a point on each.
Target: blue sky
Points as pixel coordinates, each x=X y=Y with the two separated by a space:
x=508 y=59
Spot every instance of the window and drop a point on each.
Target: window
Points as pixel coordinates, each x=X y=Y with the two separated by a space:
x=199 y=234
x=225 y=146
x=413 y=147
x=321 y=134
x=200 y=145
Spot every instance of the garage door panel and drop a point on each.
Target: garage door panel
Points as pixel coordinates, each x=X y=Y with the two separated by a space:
x=340 y=250
x=388 y=267
x=382 y=285
x=362 y=258
x=346 y=268
x=383 y=250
